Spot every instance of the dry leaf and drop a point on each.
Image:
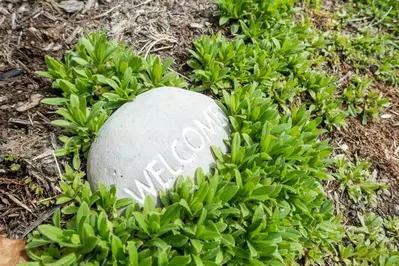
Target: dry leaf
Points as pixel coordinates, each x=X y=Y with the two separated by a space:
x=12 y=251
x=34 y=101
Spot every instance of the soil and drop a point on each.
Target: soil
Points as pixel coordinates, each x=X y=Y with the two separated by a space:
x=29 y=30
x=378 y=143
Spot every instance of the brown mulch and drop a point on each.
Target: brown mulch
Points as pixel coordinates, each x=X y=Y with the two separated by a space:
x=377 y=142
x=29 y=30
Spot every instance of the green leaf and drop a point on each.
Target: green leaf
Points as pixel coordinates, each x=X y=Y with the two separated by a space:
x=116 y=247
x=80 y=61
x=57 y=218
x=44 y=74
x=234 y=28
x=38 y=243
x=149 y=205
x=197 y=260
x=171 y=213
x=81 y=215
x=90 y=244
x=67 y=260
x=176 y=240
x=132 y=251
x=61 y=123
x=235 y=147
x=223 y=20
x=71 y=209
x=166 y=228
x=66 y=86
x=121 y=203
x=180 y=261
x=54 y=101
x=185 y=205
x=76 y=160
x=217 y=153
x=63 y=199
x=227 y=194
x=51 y=232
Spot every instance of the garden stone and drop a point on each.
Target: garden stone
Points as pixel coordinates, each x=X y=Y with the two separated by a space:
x=71 y=6
x=147 y=143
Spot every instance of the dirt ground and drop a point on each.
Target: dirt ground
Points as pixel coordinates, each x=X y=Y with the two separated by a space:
x=29 y=30
x=377 y=142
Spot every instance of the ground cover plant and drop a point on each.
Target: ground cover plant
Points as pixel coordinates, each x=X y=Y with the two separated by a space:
x=357 y=180
x=265 y=203
x=96 y=78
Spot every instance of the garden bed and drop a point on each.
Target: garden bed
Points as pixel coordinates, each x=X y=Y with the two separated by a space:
x=32 y=30
x=347 y=56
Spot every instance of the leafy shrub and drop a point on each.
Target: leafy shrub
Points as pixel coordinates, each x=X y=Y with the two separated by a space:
x=252 y=17
x=383 y=13
x=280 y=55
x=361 y=101
x=377 y=53
x=263 y=205
x=369 y=244
x=277 y=57
x=357 y=181
x=391 y=224
x=96 y=78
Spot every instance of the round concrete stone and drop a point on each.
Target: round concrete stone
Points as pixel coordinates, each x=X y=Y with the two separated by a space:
x=147 y=143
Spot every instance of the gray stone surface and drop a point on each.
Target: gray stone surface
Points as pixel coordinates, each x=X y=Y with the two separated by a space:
x=71 y=6
x=147 y=143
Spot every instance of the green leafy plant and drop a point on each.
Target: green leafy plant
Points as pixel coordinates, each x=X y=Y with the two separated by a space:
x=368 y=50
x=82 y=122
x=382 y=13
x=262 y=204
x=96 y=78
x=368 y=244
x=156 y=74
x=391 y=224
x=277 y=65
x=253 y=16
x=356 y=179
x=361 y=101
x=13 y=162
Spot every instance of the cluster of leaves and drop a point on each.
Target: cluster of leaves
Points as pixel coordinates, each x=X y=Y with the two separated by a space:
x=96 y=78
x=251 y=18
x=263 y=205
x=279 y=54
x=361 y=100
x=357 y=181
x=280 y=66
x=366 y=51
x=361 y=35
x=382 y=13
x=370 y=243
x=12 y=160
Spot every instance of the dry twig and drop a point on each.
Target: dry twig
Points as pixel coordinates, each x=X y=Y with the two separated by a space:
x=9 y=181
x=19 y=203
